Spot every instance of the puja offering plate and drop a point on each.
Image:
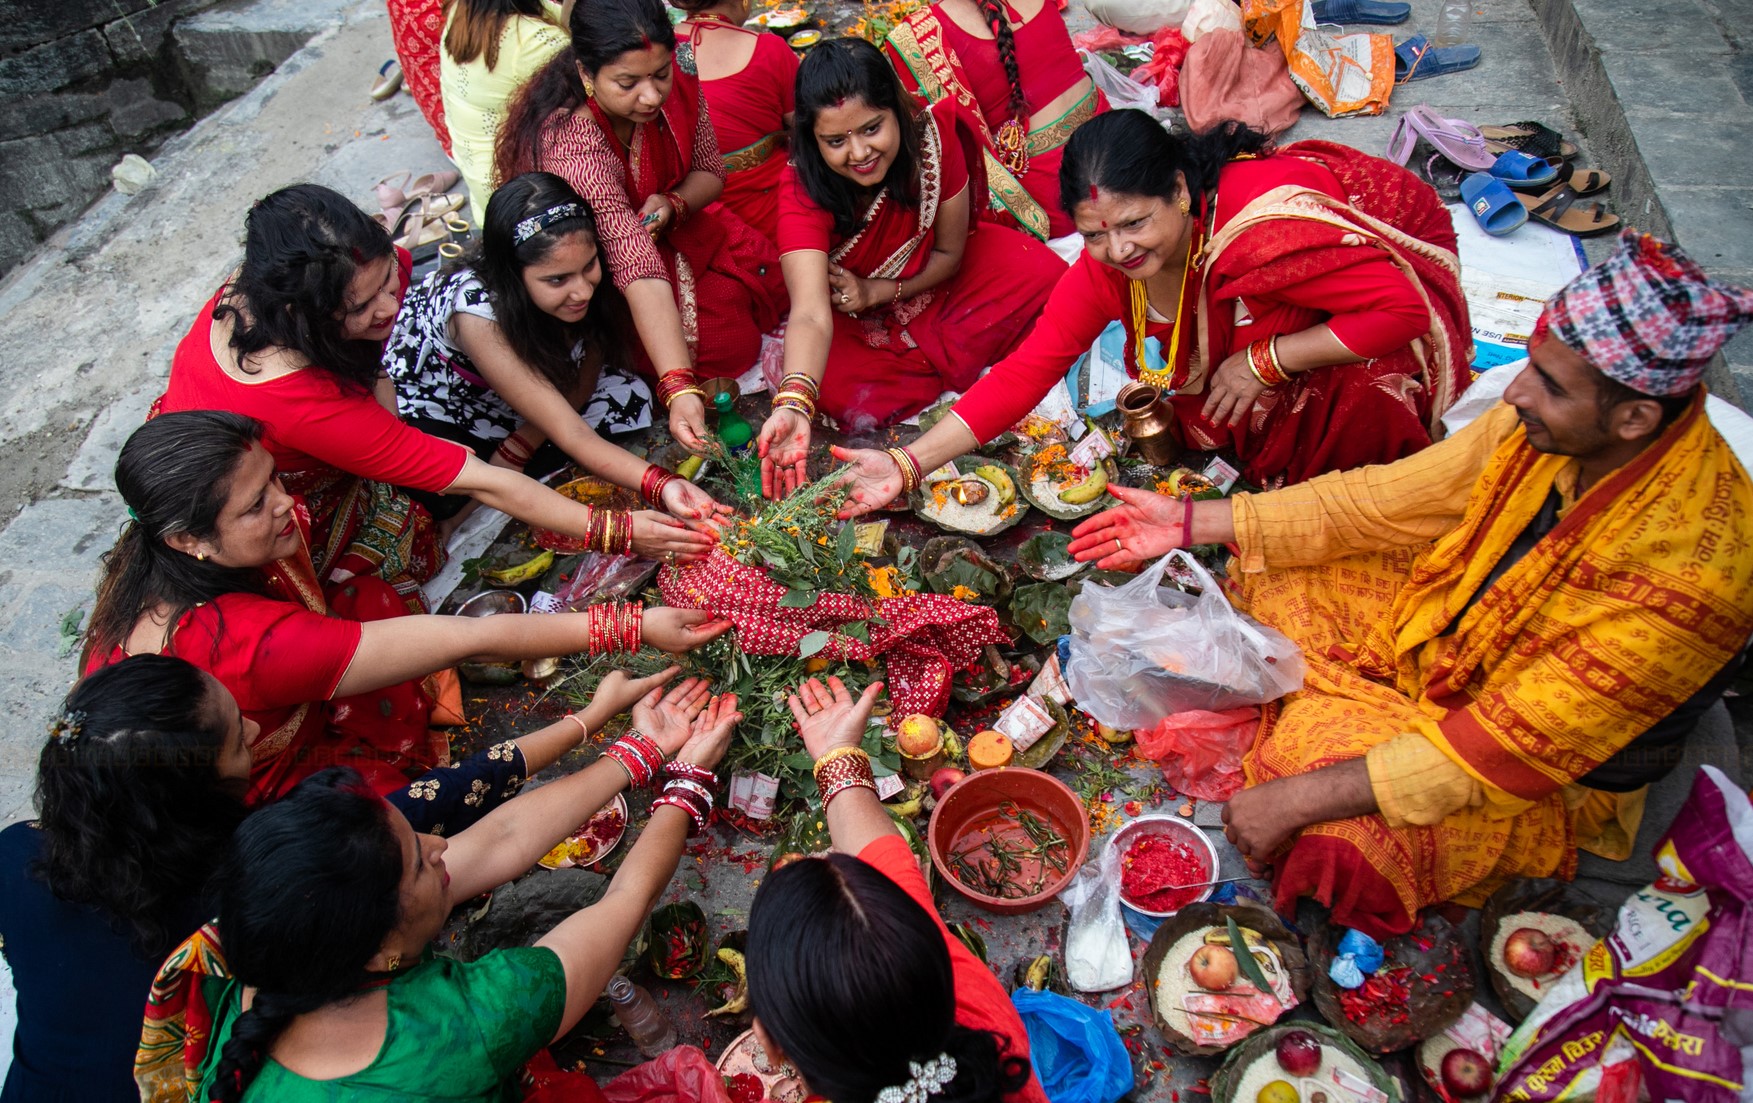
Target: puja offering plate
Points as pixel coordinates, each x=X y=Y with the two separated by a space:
x=1204 y=997
x=594 y=841
x=1301 y=1062
x=1054 y=483
x=1530 y=933
x=752 y=1077
x=1425 y=983
x=971 y=494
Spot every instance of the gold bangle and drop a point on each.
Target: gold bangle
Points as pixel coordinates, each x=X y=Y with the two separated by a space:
x=838 y=753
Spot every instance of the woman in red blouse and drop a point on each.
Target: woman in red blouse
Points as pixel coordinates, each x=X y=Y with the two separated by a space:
x=853 y=978
x=748 y=78
x=1012 y=66
x=294 y=340
x=621 y=118
x=1303 y=306
x=894 y=279
x=214 y=568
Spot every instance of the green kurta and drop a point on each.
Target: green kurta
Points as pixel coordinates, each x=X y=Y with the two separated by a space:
x=456 y=1032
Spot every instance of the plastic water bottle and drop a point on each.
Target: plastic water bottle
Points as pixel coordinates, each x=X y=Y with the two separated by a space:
x=1454 y=23
x=733 y=429
x=640 y=1017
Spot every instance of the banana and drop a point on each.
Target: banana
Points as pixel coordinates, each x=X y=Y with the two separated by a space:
x=523 y=572
x=690 y=467
x=739 y=1000
x=1000 y=480
x=1089 y=490
x=908 y=803
x=1217 y=936
x=1038 y=972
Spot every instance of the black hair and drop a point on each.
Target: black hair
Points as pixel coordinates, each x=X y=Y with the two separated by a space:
x=851 y=979
x=1609 y=392
x=1005 y=39
x=1130 y=153
x=475 y=27
x=132 y=808
x=302 y=247
x=175 y=475
x=308 y=891
x=843 y=69
x=601 y=30
x=539 y=339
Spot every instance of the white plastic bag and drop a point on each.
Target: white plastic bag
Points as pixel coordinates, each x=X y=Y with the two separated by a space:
x=1097 y=957
x=1140 y=652
x=1122 y=91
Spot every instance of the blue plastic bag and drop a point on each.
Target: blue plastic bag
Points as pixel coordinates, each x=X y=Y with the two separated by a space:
x=1358 y=956
x=1077 y=1054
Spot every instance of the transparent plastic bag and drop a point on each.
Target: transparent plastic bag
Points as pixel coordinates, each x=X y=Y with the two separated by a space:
x=1140 y=652
x=1097 y=957
x=1122 y=91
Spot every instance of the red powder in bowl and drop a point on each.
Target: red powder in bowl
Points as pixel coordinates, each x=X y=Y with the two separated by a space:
x=1153 y=865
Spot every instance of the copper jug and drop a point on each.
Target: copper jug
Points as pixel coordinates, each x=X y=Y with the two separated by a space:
x=1150 y=423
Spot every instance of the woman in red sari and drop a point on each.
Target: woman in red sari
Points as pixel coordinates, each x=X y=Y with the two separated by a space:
x=748 y=77
x=214 y=568
x=621 y=118
x=1013 y=68
x=1306 y=303
x=295 y=339
x=416 y=29
x=893 y=279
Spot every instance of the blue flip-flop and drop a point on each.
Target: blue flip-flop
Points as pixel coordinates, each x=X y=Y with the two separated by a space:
x=1416 y=59
x=1494 y=206
x=1380 y=13
x=1519 y=170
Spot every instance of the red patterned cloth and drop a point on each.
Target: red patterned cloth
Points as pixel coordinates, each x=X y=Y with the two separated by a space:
x=416 y=28
x=924 y=639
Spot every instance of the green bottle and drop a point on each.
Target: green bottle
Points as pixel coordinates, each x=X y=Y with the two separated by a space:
x=733 y=429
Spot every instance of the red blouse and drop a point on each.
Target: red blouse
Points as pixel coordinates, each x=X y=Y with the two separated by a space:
x=981 y=1002
x=1047 y=62
x=752 y=102
x=804 y=225
x=312 y=420
x=1366 y=301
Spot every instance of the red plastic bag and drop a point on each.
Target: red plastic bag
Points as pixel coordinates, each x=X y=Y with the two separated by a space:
x=681 y=1075
x=1201 y=752
x=1164 y=67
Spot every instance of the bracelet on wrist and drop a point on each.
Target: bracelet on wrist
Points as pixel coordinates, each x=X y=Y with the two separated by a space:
x=653 y=482
x=692 y=798
x=636 y=754
x=911 y=474
x=692 y=771
x=843 y=769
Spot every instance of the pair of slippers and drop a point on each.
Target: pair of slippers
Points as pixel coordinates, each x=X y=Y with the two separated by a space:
x=1500 y=211
x=1417 y=59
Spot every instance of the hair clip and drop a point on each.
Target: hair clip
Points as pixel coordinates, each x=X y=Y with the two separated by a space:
x=67 y=728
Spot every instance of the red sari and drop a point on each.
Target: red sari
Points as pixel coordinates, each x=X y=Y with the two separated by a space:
x=336 y=447
x=1315 y=233
x=724 y=274
x=892 y=362
x=417 y=30
x=937 y=59
x=748 y=110
x=282 y=654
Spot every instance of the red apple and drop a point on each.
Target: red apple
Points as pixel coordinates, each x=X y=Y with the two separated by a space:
x=1299 y=1052
x=1466 y=1072
x=944 y=777
x=1213 y=968
x=1528 y=952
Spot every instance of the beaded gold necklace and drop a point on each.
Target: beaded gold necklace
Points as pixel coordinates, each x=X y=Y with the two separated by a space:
x=1140 y=303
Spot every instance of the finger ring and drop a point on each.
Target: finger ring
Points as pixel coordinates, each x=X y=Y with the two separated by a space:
x=845 y=298
x=1119 y=547
x=670 y=558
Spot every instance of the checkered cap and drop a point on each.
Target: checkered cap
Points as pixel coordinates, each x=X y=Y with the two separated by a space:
x=1648 y=316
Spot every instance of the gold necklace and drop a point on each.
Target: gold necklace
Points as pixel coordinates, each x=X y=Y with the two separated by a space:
x=1140 y=303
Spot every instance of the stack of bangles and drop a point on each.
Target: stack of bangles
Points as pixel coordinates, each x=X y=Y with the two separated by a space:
x=672 y=385
x=689 y=788
x=680 y=204
x=799 y=392
x=638 y=755
x=608 y=530
x=516 y=451
x=613 y=626
x=1264 y=363
x=653 y=482
x=910 y=470
x=842 y=769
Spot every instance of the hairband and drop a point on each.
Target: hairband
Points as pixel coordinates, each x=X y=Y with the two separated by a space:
x=132 y=516
x=536 y=223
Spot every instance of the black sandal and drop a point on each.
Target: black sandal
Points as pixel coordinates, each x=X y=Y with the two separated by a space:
x=1533 y=138
x=1443 y=175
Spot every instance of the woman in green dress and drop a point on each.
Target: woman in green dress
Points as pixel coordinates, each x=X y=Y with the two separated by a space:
x=328 y=902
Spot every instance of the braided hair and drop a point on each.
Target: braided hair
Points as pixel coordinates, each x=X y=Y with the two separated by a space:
x=1005 y=39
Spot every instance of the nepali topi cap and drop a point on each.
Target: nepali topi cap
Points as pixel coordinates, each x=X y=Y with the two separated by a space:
x=1648 y=316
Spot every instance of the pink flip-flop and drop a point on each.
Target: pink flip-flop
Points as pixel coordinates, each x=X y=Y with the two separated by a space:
x=1456 y=139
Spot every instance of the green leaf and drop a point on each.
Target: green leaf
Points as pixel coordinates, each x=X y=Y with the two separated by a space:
x=1245 y=957
x=813 y=643
x=798 y=599
x=846 y=545
x=802 y=760
x=858 y=630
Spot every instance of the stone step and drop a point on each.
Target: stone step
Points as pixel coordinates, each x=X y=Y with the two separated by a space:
x=222 y=51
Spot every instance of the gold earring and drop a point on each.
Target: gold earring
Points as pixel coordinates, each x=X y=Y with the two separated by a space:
x=202 y=556
x=1185 y=205
x=590 y=90
x=394 y=963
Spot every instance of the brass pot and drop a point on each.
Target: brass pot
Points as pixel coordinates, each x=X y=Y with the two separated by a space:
x=1150 y=423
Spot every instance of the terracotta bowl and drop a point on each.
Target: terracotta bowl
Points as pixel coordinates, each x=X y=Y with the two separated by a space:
x=977 y=798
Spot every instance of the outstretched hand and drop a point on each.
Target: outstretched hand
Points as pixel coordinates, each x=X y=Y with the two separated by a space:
x=874 y=481
x=668 y=718
x=828 y=717
x=784 y=447
x=1145 y=527
x=620 y=691
x=688 y=422
x=677 y=630
x=709 y=735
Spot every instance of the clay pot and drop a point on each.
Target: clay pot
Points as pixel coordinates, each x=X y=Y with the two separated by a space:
x=1150 y=423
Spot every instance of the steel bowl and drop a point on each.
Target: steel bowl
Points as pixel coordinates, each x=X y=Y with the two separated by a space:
x=1174 y=827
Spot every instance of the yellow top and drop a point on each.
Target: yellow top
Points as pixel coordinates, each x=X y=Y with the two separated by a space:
x=476 y=98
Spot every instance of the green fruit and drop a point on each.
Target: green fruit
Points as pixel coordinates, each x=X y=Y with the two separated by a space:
x=1087 y=491
x=1000 y=480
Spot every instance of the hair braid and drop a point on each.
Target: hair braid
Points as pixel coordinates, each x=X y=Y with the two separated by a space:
x=1005 y=39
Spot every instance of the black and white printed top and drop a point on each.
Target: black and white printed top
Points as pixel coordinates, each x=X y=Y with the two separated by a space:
x=436 y=381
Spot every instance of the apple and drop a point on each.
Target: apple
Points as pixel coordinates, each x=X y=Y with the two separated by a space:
x=945 y=777
x=1299 y=1052
x=1529 y=952
x=1466 y=1073
x=1213 y=968
x=918 y=736
x=1279 y=1091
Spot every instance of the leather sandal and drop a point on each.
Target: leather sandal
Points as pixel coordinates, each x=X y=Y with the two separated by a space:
x=1533 y=138
x=1562 y=210
x=395 y=190
x=1582 y=181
